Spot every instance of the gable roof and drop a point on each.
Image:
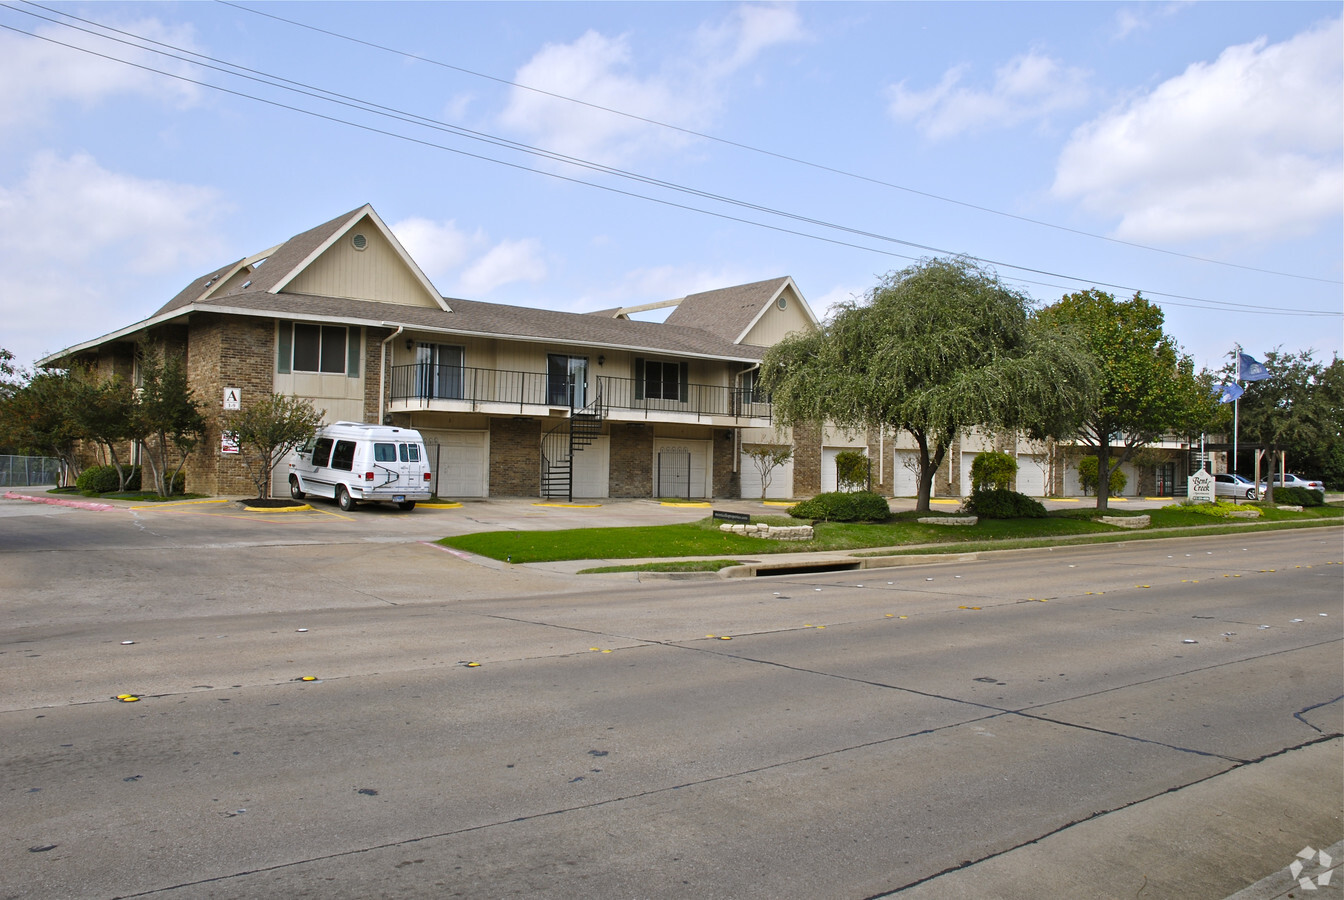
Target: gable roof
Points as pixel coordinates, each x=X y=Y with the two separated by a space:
x=731 y=312
x=277 y=267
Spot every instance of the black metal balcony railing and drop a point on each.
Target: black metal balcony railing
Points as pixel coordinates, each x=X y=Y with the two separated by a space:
x=426 y=382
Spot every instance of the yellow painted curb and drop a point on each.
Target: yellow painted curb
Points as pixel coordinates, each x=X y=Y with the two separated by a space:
x=1062 y=499
x=279 y=509
x=172 y=503
x=571 y=505
x=685 y=505
x=440 y=505
x=778 y=503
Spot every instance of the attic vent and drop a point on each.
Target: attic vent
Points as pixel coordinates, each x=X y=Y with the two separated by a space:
x=247 y=284
x=359 y=241
x=783 y=302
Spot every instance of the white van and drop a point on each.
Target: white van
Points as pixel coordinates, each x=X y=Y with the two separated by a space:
x=352 y=462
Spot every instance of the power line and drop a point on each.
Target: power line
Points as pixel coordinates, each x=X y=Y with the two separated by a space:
x=772 y=153
x=365 y=106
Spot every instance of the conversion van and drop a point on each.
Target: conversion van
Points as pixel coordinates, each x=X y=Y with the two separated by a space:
x=358 y=463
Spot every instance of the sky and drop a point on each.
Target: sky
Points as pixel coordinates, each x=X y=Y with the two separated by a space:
x=581 y=156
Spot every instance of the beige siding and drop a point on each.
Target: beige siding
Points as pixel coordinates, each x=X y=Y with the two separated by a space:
x=778 y=323
x=340 y=397
x=376 y=273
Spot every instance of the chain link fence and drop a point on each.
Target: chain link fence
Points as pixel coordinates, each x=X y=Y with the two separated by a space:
x=26 y=471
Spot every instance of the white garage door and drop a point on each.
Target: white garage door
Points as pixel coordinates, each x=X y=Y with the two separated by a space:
x=830 y=478
x=905 y=472
x=460 y=462
x=967 y=460
x=1030 y=475
x=591 y=469
x=781 y=480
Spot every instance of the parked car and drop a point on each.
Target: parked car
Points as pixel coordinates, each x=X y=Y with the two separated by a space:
x=1229 y=485
x=1291 y=480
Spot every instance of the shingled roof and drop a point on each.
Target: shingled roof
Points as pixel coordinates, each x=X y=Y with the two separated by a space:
x=727 y=312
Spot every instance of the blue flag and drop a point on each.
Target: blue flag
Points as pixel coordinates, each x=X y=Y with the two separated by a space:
x=1228 y=392
x=1250 y=370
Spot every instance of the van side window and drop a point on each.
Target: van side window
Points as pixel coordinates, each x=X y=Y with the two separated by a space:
x=344 y=456
x=321 y=451
x=385 y=452
x=410 y=452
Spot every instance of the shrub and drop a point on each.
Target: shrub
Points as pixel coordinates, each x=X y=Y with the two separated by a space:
x=1296 y=496
x=1087 y=477
x=993 y=470
x=999 y=503
x=1219 y=510
x=103 y=479
x=843 y=506
x=851 y=470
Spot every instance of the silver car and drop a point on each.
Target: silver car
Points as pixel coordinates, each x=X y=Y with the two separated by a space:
x=1291 y=480
x=1229 y=485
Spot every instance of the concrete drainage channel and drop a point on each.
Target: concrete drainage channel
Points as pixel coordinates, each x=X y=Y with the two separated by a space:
x=811 y=566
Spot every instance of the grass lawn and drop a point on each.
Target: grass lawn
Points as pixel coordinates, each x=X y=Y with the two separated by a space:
x=704 y=538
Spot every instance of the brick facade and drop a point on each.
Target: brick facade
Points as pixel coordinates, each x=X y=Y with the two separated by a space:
x=631 y=461
x=515 y=467
x=806 y=460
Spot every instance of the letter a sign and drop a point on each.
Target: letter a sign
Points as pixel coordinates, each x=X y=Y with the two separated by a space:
x=233 y=398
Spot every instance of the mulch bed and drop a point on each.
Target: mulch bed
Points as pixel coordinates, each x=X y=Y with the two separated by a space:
x=285 y=503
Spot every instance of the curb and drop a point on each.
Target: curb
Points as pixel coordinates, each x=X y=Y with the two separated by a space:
x=55 y=501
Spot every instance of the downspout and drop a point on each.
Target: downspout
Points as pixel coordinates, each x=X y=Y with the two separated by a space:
x=382 y=369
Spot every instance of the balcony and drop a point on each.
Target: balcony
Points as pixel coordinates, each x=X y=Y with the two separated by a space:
x=428 y=387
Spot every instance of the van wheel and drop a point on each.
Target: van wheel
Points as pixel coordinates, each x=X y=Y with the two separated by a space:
x=294 y=490
x=407 y=506
x=343 y=499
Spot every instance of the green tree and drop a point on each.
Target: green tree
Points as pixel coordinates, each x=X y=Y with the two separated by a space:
x=103 y=410
x=168 y=421
x=766 y=458
x=993 y=470
x=931 y=349
x=1147 y=388
x=851 y=470
x=1298 y=407
x=36 y=417
x=268 y=429
x=1088 y=477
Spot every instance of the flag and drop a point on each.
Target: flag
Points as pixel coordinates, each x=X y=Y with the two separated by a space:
x=1249 y=369
x=1228 y=392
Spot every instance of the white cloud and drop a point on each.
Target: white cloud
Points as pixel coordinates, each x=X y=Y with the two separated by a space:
x=505 y=263
x=1028 y=88
x=1248 y=145
x=82 y=239
x=686 y=90
x=437 y=247
x=37 y=73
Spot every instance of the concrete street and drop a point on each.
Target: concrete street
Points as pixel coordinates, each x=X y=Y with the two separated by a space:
x=1153 y=719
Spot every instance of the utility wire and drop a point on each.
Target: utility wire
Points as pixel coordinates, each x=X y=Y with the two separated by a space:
x=771 y=153
x=412 y=119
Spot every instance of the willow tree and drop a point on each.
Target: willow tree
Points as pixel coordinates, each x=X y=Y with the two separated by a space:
x=1146 y=389
x=940 y=346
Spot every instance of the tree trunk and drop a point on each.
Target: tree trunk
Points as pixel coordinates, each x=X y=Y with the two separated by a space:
x=1103 y=473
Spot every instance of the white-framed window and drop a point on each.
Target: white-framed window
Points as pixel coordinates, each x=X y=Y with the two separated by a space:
x=660 y=380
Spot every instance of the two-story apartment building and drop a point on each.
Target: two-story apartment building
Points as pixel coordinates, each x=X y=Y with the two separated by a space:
x=511 y=400
x=516 y=401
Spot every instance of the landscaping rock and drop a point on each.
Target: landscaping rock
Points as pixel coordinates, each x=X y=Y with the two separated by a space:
x=771 y=532
x=1128 y=521
x=948 y=520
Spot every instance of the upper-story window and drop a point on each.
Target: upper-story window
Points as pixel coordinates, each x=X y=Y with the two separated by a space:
x=658 y=380
x=324 y=349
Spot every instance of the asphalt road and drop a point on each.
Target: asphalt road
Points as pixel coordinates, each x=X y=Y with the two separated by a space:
x=1154 y=720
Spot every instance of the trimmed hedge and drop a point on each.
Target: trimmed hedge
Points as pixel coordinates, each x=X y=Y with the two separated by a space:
x=1296 y=496
x=843 y=506
x=104 y=480
x=997 y=503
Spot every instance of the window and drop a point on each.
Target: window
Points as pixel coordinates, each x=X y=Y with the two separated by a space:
x=566 y=380
x=656 y=380
x=385 y=452
x=321 y=451
x=439 y=371
x=410 y=452
x=343 y=457
x=326 y=349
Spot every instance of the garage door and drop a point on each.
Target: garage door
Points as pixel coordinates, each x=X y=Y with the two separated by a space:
x=905 y=473
x=1031 y=475
x=592 y=468
x=459 y=462
x=781 y=480
x=830 y=479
